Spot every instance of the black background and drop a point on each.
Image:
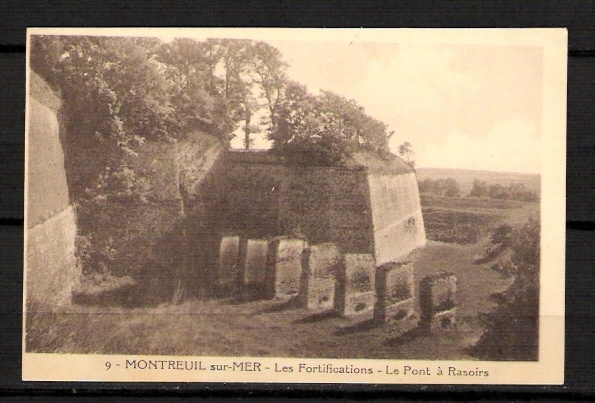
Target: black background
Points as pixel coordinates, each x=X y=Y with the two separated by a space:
x=578 y=16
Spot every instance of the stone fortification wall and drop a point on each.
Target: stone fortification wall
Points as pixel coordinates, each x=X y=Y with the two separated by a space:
x=351 y=218
x=248 y=198
x=47 y=191
x=258 y=196
x=197 y=155
x=50 y=265
x=328 y=205
x=51 y=269
x=397 y=217
x=304 y=205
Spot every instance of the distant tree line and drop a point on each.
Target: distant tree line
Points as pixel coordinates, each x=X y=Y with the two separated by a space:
x=440 y=187
x=449 y=187
x=515 y=191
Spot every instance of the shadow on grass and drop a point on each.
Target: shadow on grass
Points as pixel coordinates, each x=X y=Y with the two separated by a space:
x=406 y=337
x=141 y=294
x=282 y=306
x=317 y=317
x=498 y=297
x=357 y=328
x=491 y=255
x=245 y=297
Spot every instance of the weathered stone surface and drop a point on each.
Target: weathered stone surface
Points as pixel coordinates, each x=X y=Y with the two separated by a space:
x=438 y=300
x=51 y=270
x=319 y=265
x=397 y=216
x=256 y=262
x=229 y=262
x=50 y=266
x=395 y=295
x=47 y=191
x=369 y=205
x=284 y=269
x=355 y=292
x=442 y=320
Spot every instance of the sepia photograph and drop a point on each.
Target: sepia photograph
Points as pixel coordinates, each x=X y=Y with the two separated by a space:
x=302 y=204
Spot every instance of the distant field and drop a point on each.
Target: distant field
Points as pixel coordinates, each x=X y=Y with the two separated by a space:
x=465 y=177
x=467 y=220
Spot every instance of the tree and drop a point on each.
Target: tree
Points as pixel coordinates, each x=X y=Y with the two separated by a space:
x=300 y=117
x=237 y=63
x=268 y=71
x=426 y=186
x=502 y=235
x=348 y=121
x=515 y=191
x=328 y=127
x=114 y=97
x=452 y=188
x=479 y=189
x=249 y=128
x=195 y=90
x=512 y=329
x=406 y=152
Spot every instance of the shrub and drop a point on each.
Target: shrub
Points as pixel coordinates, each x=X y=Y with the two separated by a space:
x=327 y=151
x=502 y=235
x=512 y=328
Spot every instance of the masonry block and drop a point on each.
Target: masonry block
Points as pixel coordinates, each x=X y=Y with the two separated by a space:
x=50 y=262
x=395 y=296
x=229 y=262
x=319 y=265
x=255 y=262
x=284 y=267
x=438 y=301
x=355 y=292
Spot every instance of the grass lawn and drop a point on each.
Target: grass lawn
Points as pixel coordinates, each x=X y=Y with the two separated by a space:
x=223 y=327
x=468 y=220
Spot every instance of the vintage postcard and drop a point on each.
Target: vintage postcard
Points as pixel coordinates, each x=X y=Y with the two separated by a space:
x=378 y=206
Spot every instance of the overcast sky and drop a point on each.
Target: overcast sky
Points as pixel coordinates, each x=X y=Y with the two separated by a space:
x=461 y=105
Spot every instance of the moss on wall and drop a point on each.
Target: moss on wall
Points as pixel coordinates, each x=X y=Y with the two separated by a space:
x=134 y=235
